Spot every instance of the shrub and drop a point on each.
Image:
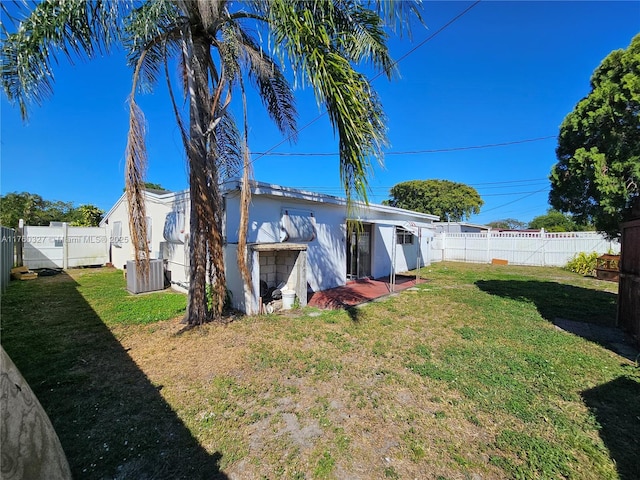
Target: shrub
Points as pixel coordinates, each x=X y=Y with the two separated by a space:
x=583 y=263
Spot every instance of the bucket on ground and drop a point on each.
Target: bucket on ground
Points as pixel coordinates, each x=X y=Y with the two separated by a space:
x=288 y=297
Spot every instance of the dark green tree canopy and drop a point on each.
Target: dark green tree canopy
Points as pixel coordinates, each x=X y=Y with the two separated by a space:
x=507 y=224
x=555 y=221
x=87 y=216
x=35 y=210
x=451 y=201
x=597 y=176
x=150 y=186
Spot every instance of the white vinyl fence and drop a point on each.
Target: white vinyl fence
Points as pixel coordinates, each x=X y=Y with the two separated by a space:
x=519 y=248
x=64 y=246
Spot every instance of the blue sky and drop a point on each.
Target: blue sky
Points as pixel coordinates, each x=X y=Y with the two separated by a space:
x=503 y=72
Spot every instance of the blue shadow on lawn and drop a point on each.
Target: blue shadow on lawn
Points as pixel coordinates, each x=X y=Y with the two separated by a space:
x=590 y=314
x=556 y=300
x=111 y=419
x=616 y=406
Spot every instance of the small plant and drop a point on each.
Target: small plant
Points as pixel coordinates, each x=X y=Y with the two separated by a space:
x=227 y=306
x=583 y=263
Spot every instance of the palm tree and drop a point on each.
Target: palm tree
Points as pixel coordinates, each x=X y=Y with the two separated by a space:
x=216 y=43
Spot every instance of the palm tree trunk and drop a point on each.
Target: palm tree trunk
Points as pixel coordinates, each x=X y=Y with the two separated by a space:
x=197 y=310
x=206 y=211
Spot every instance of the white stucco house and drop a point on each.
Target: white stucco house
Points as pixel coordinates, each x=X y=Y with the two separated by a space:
x=295 y=237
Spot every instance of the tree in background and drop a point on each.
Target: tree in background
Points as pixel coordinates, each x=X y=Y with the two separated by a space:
x=87 y=216
x=597 y=176
x=150 y=186
x=507 y=224
x=153 y=186
x=32 y=208
x=35 y=210
x=219 y=50
x=555 y=221
x=450 y=201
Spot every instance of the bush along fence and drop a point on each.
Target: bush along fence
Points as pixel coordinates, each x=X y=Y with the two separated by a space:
x=519 y=248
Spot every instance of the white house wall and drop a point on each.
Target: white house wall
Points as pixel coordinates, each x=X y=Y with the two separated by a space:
x=326 y=254
x=383 y=243
x=122 y=248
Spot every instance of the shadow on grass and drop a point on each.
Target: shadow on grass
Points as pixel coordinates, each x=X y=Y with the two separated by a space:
x=354 y=313
x=587 y=313
x=616 y=406
x=111 y=420
x=556 y=300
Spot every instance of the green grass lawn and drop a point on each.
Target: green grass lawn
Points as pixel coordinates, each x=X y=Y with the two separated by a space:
x=465 y=376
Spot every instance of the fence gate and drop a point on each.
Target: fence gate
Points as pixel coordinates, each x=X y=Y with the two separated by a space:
x=629 y=284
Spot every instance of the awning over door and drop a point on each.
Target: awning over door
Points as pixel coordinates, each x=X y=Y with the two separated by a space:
x=406 y=225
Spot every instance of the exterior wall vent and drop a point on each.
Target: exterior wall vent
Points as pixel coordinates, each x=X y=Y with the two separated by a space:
x=139 y=284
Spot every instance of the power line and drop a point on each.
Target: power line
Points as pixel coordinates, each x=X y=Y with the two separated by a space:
x=514 y=201
x=510 y=193
x=406 y=152
x=509 y=181
x=481 y=185
x=426 y=40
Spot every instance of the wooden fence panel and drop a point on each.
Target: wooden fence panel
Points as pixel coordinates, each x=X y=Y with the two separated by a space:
x=629 y=283
x=7 y=243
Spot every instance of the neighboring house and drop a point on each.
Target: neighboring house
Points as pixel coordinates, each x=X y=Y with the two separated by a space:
x=459 y=227
x=295 y=237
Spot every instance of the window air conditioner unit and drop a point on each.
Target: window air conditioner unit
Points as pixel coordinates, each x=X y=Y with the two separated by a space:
x=139 y=284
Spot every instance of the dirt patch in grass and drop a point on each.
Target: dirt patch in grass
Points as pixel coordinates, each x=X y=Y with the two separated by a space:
x=464 y=378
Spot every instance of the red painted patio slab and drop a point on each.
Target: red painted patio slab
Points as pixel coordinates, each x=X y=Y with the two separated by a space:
x=359 y=291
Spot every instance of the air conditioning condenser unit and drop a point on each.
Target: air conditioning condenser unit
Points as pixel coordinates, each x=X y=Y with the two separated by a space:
x=141 y=283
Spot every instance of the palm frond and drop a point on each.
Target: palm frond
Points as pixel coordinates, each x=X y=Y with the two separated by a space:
x=398 y=14
x=135 y=169
x=227 y=143
x=229 y=49
x=304 y=33
x=152 y=29
x=245 y=198
x=360 y=35
x=72 y=28
x=176 y=111
x=275 y=92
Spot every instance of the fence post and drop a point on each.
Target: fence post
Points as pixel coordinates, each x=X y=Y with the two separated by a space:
x=542 y=239
x=465 y=248
x=65 y=245
x=444 y=246
x=20 y=243
x=489 y=245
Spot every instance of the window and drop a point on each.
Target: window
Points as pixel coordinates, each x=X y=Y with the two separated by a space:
x=116 y=234
x=404 y=237
x=298 y=226
x=148 y=219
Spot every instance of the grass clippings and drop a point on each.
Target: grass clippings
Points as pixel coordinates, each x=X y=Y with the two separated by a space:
x=467 y=377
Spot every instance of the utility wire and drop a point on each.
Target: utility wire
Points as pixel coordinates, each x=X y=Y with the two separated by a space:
x=407 y=152
x=514 y=201
x=426 y=40
x=483 y=186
